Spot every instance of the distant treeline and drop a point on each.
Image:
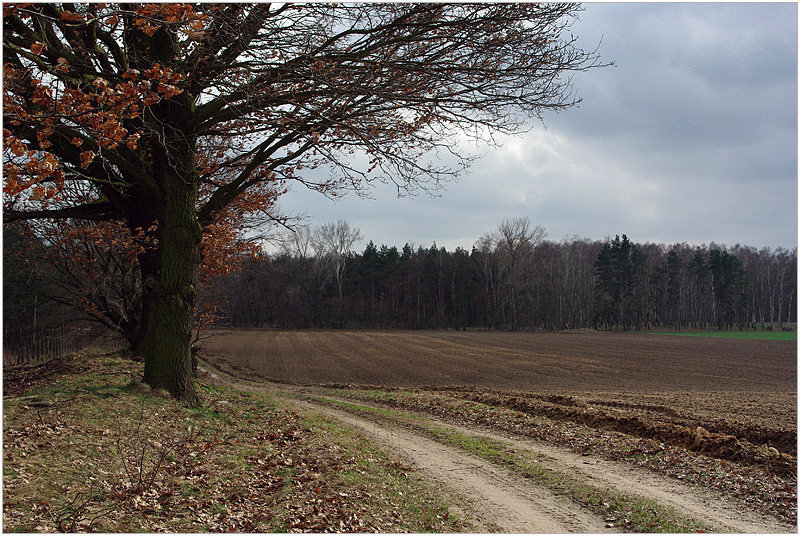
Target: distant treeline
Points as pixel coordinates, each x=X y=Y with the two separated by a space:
x=511 y=279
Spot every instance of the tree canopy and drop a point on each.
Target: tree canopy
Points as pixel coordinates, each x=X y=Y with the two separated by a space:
x=181 y=124
x=572 y=283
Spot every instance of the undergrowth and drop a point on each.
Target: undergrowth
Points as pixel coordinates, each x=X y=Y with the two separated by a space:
x=87 y=447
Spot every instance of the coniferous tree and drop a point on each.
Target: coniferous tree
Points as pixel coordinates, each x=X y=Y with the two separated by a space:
x=606 y=288
x=633 y=286
x=619 y=270
x=730 y=287
x=674 y=276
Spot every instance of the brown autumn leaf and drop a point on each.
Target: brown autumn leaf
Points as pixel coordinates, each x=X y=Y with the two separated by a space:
x=38 y=47
x=86 y=158
x=71 y=16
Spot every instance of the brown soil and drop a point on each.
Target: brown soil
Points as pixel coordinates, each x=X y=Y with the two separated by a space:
x=731 y=399
x=719 y=438
x=627 y=362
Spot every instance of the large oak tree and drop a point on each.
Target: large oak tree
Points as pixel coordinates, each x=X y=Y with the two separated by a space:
x=176 y=122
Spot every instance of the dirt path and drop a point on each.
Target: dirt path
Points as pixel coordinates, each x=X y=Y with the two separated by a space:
x=726 y=516
x=501 y=501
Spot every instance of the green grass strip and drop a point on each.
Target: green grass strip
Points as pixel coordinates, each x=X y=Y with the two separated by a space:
x=750 y=335
x=637 y=513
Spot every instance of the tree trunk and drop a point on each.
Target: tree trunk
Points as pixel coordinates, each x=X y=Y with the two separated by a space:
x=169 y=274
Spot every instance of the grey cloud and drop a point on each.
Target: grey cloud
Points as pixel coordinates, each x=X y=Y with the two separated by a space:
x=691 y=137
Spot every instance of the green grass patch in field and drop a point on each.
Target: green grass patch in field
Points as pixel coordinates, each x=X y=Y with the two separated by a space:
x=752 y=335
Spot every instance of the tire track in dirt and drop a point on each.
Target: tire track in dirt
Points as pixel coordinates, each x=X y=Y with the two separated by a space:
x=500 y=500
x=725 y=515
x=497 y=500
x=505 y=502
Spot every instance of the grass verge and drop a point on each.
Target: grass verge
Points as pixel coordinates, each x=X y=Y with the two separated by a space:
x=631 y=512
x=89 y=448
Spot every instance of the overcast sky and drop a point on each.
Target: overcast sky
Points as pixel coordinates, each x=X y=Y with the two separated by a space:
x=690 y=137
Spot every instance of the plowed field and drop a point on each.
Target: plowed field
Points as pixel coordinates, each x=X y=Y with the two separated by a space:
x=731 y=398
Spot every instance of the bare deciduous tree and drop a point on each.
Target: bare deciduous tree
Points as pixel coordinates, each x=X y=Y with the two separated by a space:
x=333 y=243
x=514 y=239
x=297 y=242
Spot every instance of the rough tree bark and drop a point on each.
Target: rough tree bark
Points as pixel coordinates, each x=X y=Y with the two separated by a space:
x=169 y=275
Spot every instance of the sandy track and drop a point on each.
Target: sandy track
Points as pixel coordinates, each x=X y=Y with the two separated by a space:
x=500 y=501
x=496 y=500
x=724 y=515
